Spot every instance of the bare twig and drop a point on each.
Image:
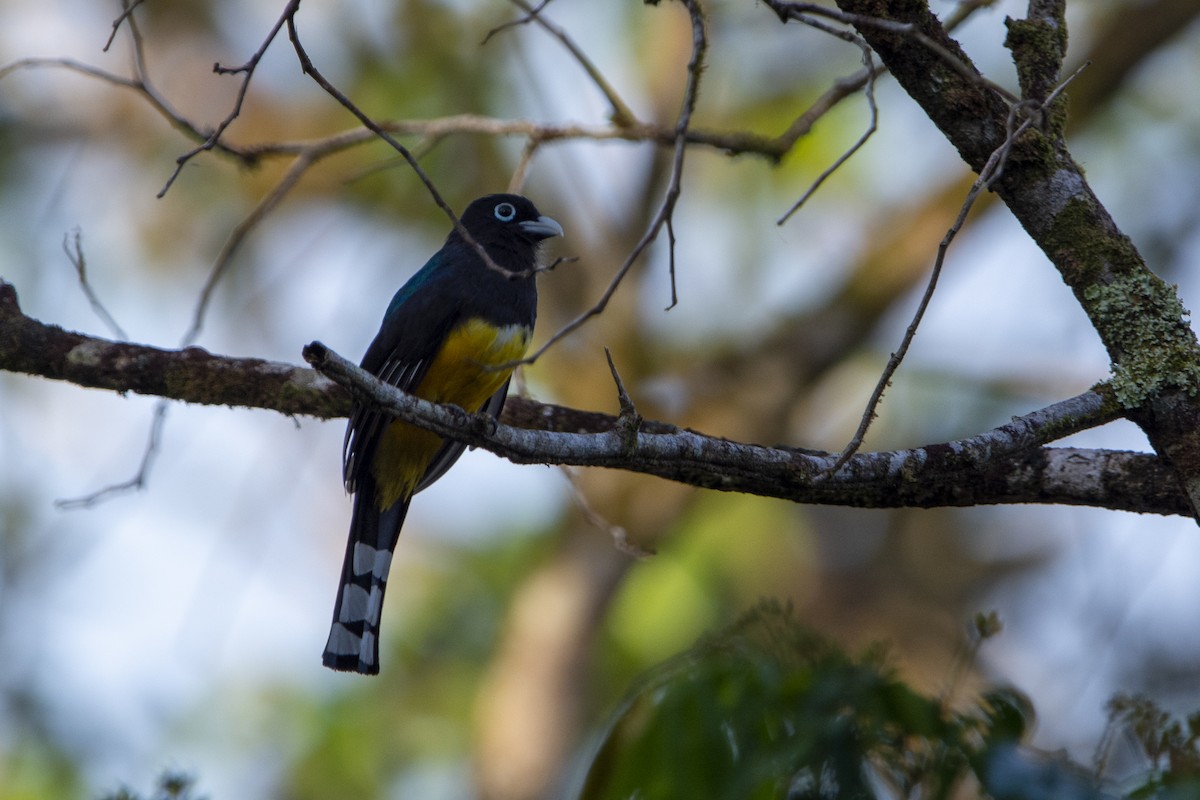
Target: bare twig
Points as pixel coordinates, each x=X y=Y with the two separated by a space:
x=621 y=114
x=671 y=262
x=732 y=142
x=964 y=10
x=798 y=12
x=147 y=88
x=310 y=69
x=1029 y=115
x=864 y=79
x=139 y=479
x=695 y=68
x=530 y=15
x=140 y=85
x=553 y=265
x=73 y=247
x=237 y=236
x=624 y=401
x=869 y=92
x=521 y=171
x=619 y=535
x=846 y=87
x=247 y=71
x=116 y=26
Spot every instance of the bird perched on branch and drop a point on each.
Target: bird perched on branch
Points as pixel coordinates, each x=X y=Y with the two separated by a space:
x=450 y=335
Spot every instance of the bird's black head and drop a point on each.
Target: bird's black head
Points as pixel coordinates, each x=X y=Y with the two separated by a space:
x=508 y=218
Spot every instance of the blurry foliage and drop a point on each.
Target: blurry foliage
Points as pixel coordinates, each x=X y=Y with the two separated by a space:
x=768 y=708
x=170 y=786
x=33 y=768
x=1171 y=746
x=697 y=581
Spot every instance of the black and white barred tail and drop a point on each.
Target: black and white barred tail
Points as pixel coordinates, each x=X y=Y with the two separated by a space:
x=353 y=644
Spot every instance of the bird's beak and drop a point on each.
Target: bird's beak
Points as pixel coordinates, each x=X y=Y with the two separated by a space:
x=541 y=228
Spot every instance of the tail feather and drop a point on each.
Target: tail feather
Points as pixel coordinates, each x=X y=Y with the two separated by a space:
x=353 y=643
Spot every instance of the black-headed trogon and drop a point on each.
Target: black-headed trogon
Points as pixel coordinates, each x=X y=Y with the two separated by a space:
x=450 y=335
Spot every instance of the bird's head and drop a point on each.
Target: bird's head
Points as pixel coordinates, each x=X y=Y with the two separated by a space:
x=508 y=217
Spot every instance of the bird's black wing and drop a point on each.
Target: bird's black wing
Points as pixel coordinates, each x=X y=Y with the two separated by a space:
x=400 y=355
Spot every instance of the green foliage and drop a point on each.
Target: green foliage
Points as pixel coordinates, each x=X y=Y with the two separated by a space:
x=35 y=769
x=770 y=709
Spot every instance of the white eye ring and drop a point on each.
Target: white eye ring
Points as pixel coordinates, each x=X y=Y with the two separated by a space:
x=506 y=212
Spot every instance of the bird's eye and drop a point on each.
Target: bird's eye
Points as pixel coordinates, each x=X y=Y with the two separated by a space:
x=506 y=212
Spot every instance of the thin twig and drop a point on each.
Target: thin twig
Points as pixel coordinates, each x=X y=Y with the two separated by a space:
x=145 y=89
x=553 y=265
x=73 y=247
x=797 y=11
x=619 y=535
x=235 y=239
x=624 y=401
x=671 y=262
x=731 y=142
x=990 y=173
x=521 y=171
x=247 y=70
x=310 y=69
x=964 y=10
x=116 y=26
x=621 y=114
x=525 y=20
x=864 y=79
x=843 y=88
x=869 y=92
x=140 y=478
x=666 y=209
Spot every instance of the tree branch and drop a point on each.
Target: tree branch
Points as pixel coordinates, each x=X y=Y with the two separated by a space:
x=1002 y=466
x=192 y=374
x=1155 y=355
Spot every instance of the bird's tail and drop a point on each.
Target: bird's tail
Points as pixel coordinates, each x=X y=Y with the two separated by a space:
x=354 y=635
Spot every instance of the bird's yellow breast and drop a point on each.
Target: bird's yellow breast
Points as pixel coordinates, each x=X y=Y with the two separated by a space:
x=466 y=371
x=468 y=368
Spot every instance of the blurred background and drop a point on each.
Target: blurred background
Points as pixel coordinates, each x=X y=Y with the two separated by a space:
x=180 y=627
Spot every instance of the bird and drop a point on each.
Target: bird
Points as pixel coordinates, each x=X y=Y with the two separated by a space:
x=449 y=335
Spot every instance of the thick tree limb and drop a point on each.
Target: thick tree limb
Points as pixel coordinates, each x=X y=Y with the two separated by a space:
x=192 y=374
x=1002 y=466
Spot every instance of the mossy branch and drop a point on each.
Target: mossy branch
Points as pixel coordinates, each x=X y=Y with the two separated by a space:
x=1154 y=352
x=1008 y=464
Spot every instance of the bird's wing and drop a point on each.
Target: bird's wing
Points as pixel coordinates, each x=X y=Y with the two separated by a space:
x=451 y=450
x=416 y=324
x=366 y=424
